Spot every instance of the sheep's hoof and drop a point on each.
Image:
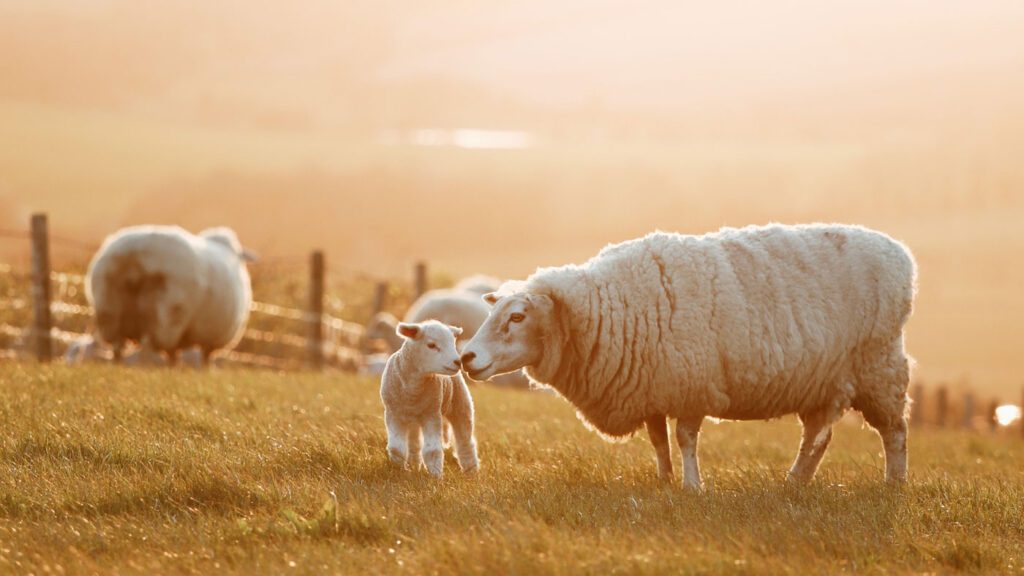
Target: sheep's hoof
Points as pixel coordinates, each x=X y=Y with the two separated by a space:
x=397 y=458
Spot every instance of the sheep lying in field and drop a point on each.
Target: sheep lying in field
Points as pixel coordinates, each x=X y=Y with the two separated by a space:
x=423 y=391
x=168 y=289
x=745 y=324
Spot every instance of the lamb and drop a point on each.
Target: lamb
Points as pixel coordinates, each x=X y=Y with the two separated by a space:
x=742 y=324
x=168 y=289
x=422 y=390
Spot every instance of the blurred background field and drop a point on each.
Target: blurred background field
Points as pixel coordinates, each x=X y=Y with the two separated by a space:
x=113 y=470
x=494 y=137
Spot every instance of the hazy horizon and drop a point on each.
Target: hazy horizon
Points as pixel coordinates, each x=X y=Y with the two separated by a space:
x=292 y=125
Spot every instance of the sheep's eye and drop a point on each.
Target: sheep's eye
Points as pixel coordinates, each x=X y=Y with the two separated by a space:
x=517 y=317
x=432 y=346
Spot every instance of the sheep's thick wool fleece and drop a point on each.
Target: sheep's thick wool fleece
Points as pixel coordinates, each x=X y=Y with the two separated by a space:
x=748 y=323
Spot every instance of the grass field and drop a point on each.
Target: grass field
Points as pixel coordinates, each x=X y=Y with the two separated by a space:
x=110 y=471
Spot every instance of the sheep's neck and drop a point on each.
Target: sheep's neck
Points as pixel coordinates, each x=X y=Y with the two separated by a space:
x=413 y=377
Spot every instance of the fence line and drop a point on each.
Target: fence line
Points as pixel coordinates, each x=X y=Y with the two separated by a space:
x=329 y=337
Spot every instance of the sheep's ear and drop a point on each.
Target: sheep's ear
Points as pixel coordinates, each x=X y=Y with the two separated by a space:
x=250 y=256
x=491 y=298
x=456 y=330
x=406 y=330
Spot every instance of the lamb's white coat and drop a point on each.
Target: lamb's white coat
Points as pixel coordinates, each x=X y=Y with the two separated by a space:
x=423 y=393
x=749 y=323
x=169 y=289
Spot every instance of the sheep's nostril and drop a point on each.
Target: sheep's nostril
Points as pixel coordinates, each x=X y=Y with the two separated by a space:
x=468 y=357
x=458 y=363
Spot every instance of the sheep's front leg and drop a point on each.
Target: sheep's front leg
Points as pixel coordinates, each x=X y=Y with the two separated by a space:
x=415 y=448
x=687 y=433
x=817 y=434
x=433 y=445
x=657 y=429
x=465 y=444
x=398 y=435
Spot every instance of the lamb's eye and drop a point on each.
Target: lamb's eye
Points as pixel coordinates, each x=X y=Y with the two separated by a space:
x=432 y=346
x=516 y=317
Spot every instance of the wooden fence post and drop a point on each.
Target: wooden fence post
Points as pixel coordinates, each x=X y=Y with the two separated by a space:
x=421 y=278
x=380 y=297
x=941 y=406
x=41 y=322
x=993 y=422
x=968 y=407
x=917 y=407
x=316 y=310
x=1021 y=421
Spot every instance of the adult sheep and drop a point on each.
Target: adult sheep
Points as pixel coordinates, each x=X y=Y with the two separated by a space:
x=168 y=289
x=744 y=324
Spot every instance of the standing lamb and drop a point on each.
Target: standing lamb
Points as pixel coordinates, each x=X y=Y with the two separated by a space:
x=422 y=390
x=744 y=324
x=168 y=289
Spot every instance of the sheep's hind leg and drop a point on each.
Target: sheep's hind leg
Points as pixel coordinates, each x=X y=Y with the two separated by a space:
x=465 y=445
x=657 y=429
x=687 y=435
x=817 y=434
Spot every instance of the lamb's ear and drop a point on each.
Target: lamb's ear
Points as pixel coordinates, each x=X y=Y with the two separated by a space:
x=250 y=256
x=406 y=330
x=491 y=298
x=455 y=330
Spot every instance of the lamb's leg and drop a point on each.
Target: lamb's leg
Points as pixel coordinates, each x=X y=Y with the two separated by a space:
x=398 y=448
x=415 y=448
x=465 y=444
x=657 y=429
x=817 y=434
x=433 y=446
x=687 y=433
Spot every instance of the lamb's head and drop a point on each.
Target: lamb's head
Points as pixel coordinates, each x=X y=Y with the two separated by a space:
x=513 y=336
x=430 y=346
x=227 y=238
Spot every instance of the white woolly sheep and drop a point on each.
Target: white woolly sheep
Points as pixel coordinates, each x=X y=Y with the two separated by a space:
x=168 y=289
x=422 y=390
x=478 y=284
x=382 y=326
x=744 y=324
x=453 y=307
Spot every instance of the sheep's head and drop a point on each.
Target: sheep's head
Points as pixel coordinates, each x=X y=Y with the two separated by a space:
x=227 y=238
x=431 y=346
x=512 y=337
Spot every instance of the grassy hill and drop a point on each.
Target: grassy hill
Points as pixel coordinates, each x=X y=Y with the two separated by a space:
x=104 y=470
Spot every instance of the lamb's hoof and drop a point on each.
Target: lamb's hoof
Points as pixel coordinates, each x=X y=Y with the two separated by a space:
x=472 y=470
x=397 y=458
x=795 y=478
x=666 y=478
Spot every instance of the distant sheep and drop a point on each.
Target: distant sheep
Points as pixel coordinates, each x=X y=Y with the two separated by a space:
x=422 y=390
x=382 y=326
x=456 y=308
x=478 y=284
x=168 y=289
x=742 y=324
